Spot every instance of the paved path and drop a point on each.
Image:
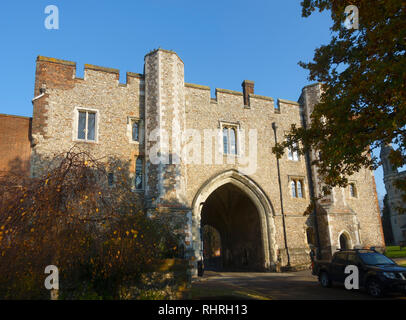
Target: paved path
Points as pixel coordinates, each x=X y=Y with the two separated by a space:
x=288 y=285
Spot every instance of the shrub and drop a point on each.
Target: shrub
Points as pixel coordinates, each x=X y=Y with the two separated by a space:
x=97 y=235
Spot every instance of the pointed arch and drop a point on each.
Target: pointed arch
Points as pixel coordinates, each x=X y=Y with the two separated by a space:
x=344 y=240
x=259 y=199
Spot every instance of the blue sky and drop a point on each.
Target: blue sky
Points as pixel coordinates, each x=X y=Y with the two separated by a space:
x=221 y=43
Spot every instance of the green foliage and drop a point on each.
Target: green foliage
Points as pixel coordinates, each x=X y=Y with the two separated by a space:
x=363 y=76
x=395 y=252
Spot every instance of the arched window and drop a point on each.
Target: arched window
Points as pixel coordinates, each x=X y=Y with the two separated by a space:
x=233 y=141
x=135 y=131
x=139 y=170
x=353 y=190
x=344 y=243
x=293 y=187
x=230 y=138
x=225 y=140
x=299 y=189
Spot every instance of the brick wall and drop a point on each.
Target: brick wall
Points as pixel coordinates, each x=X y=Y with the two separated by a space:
x=15 y=143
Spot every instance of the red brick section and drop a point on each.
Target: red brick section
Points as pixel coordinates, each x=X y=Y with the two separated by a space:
x=15 y=144
x=50 y=73
x=379 y=210
x=247 y=89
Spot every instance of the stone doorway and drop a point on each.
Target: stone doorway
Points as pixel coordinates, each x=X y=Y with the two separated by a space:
x=258 y=249
x=231 y=230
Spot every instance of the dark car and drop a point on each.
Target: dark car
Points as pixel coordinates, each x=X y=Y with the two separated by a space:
x=377 y=273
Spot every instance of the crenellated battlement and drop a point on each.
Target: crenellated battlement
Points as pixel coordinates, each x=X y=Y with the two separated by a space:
x=56 y=72
x=236 y=97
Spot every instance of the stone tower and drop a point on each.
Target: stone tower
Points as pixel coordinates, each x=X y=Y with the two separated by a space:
x=164 y=124
x=390 y=175
x=340 y=219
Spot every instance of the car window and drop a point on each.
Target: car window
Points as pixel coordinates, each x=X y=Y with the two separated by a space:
x=340 y=257
x=374 y=258
x=352 y=259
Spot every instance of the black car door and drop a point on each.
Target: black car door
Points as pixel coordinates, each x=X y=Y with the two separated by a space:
x=338 y=266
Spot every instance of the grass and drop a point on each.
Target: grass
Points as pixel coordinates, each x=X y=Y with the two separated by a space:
x=395 y=252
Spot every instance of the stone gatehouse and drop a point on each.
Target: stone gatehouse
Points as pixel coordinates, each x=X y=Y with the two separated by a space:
x=203 y=161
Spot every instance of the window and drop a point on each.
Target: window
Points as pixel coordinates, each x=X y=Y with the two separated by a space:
x=296 y=186
x=374 y=258
x=110 y=179
x=292 y=154
x=225 y=140
x=340 y=257
x=230 y=139
x=135 y=130
x=293 y=187
x=344 y=243
x=139 y=174
x=233 y=141
x=86 y=125
x=299 y=189
x=353 y=190
x=352 y=259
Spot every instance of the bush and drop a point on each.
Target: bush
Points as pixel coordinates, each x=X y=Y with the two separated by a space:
x=97 y=235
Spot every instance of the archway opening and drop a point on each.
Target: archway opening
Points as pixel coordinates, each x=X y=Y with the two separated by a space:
x=232 y=214
x=212 y=248
x=344 y=242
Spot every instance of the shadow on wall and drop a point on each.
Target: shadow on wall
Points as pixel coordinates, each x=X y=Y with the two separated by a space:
x=18 y=166
x=130 y=174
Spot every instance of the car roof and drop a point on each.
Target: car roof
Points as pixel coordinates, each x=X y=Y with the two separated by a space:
x=357 y=250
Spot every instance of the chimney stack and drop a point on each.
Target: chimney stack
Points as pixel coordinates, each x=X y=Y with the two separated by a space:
x=247 y=89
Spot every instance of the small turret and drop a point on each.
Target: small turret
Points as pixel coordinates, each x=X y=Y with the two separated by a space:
x=388 y=168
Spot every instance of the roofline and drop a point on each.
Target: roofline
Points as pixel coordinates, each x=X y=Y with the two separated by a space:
x=14 y=116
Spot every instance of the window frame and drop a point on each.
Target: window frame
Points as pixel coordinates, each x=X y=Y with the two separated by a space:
x=134 y=185
x=113 y=179
x=293 y=155
x=139 y=121
x=230 y=126
x=352 y=185
x=75 y=130
x=293 y=181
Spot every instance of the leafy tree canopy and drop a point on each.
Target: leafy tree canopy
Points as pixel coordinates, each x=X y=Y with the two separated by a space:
x=363 y=101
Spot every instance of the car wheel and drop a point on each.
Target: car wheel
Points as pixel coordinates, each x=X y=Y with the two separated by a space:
x=325 y=280
x=374 y=288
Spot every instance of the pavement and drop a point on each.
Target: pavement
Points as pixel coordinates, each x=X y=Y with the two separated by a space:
x=299 y=285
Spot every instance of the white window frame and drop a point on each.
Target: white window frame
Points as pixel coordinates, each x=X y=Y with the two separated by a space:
x=76 y=124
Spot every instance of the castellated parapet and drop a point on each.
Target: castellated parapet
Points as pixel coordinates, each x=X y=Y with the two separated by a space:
x=206 y=160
